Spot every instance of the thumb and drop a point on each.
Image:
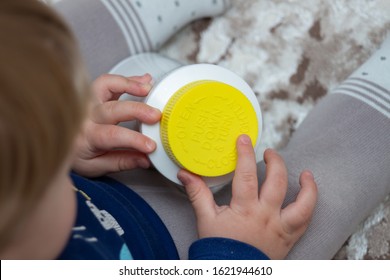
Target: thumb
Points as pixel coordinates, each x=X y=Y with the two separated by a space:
x=199 y=194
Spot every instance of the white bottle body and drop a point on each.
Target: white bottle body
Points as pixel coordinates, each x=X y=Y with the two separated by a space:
x=169 y=76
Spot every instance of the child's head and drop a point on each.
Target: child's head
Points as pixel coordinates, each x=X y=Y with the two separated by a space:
x=43 y=96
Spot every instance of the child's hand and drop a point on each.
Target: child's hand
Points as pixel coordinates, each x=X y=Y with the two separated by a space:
x=254 y=217
x=104 y=146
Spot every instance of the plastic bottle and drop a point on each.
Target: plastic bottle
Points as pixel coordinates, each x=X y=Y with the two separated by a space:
x=205 y=108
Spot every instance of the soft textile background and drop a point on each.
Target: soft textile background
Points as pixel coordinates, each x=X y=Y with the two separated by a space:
x=292 y=53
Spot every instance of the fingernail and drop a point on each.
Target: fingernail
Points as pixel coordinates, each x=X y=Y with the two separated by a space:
x=147 y=87
x=147 y=75
x=156 y=112
x=183 y=177
x=245 y=139
x=150 y=145
x=309 y=174
x=151 y=81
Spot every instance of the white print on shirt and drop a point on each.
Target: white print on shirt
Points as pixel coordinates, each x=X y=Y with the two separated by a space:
x=86 y=239
x=78 y=233
x=105 y=218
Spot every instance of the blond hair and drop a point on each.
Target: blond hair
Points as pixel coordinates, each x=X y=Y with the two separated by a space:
x=43 y=95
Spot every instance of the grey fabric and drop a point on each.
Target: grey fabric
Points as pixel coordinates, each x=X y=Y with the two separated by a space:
x=345 y=141
x=346 y=145
x=111 y=30
x=101 y=40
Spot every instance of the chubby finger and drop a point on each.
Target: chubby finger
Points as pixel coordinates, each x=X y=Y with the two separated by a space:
x=110 y=87
x=113 y=112
x=144 y=79
x=113 y=161
x=274 y=188
x=298 y=214
x=245 y=182
x=199 y=194
x=110 y=137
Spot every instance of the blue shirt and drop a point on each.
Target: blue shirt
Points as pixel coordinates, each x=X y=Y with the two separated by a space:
x=113 y=222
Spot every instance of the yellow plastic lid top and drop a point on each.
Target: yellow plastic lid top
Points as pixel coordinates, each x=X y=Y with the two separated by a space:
x=201 y=123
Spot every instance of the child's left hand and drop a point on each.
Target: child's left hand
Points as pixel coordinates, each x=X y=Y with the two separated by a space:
x=255 y=215
x=105 y=147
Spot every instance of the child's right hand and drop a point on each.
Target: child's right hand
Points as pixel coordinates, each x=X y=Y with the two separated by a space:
x=254 y=216
x=105 y=147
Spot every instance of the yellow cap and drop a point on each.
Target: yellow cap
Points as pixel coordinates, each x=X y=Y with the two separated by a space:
x=201 y=123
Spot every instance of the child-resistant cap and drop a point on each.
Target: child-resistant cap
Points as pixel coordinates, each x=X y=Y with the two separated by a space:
x=201 y=123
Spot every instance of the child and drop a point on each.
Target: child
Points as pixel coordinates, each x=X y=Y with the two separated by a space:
x=45 y=214
x=344 y=140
